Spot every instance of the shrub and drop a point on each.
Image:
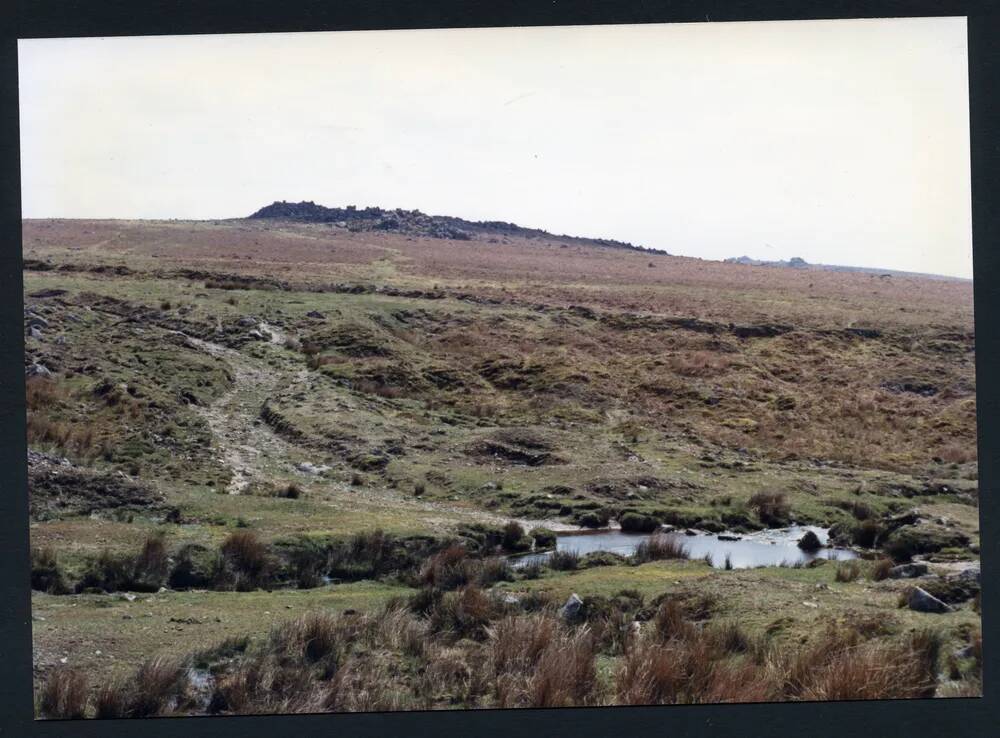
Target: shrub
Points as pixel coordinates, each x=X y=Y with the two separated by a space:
x=566 y=674
x=111 y=700
x=423 y=600
x=246 y=558
x=313 y=638
x=46 y=573
x=602 y=558
x=494 y=570
x=64 y=695
x=847 y=571
x=660 y=546
x=42 y=392
x=593 y=518
x=308 y=560
x=543 y=537
x=109 y=572
x=514 y=538
x=563 y=560
x=516 y=643
x=369 y=555
x=977 y=649
x=449 y=569
x=669 y=622
x=925 y=648
x=398 y=629
x=632 y=522
x=664 y=673
x=729 y=637
x=150 y=568
x=195 y=567
x=531 y=571
x=867 y=533
x=880 y=569
x=810 y=542
x=614 y=632
x=264 y=685
x=533 y=662
x=364 y=685
x=155 y=682
x=649 y=675
x=771 y=507
x=462 y=614
x=871 y=671
x=449 y=677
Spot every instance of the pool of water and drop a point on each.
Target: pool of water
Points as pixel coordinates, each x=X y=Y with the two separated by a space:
x=775 y=547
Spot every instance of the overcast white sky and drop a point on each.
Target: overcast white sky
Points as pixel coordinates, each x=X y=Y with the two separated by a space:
x=843 y=142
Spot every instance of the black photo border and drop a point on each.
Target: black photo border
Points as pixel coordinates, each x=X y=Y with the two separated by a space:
x=54 y=18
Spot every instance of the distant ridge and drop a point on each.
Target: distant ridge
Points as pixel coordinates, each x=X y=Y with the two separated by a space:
x=797 y=263
x=416 y=223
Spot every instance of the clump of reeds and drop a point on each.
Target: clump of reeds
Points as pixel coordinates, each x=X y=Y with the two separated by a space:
x=660 y=546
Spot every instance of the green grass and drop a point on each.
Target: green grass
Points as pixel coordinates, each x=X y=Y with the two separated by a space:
x=174 y=622
x=676 y=424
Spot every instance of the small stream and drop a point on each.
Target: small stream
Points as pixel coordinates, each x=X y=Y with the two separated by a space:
x=776 y=547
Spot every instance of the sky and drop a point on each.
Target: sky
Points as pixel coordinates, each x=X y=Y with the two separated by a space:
x=841 y=142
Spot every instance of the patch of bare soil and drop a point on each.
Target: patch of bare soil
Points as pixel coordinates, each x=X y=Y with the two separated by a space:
x=241 y=438
x=57 y=488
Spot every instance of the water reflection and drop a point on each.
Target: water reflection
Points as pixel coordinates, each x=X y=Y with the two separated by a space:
x=764 y=548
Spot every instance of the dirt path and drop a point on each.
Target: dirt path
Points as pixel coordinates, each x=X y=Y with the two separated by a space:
x=255 y=453
x=245 y=444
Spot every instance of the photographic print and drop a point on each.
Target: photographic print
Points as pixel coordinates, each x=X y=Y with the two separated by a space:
x=500 y=368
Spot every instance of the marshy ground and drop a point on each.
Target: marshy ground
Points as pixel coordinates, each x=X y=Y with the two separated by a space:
x=241 y=424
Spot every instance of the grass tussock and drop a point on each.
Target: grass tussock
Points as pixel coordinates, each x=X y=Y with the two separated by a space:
x=536 y=661
x=247 y=559
x=848 y=571
x=772 y=508
x=563 y=561
x=450 y=569
x=43 y=392
x=880 y=569
x=690 y=666
x=660 y=546
x=155 y=688
x=64 y=695
x=464 y=613
x=464 y=647
x=145 y=571
x=46 y=573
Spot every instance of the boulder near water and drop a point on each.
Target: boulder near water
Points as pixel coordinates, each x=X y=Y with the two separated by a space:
x=810 y=542
x=908 y=571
